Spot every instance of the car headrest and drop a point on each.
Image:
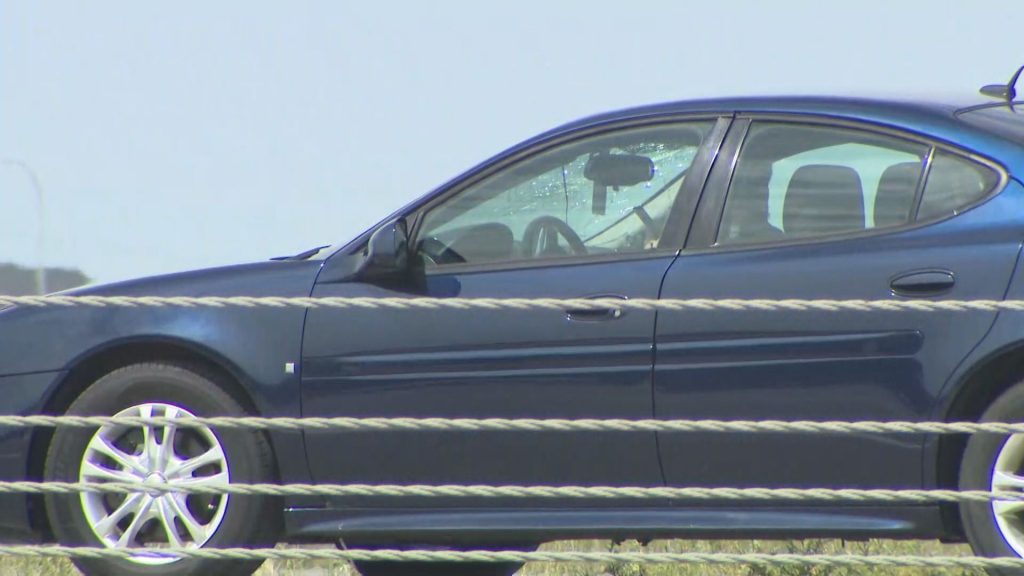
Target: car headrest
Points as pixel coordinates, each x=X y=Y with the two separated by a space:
x=895 y=197
x=746 y=211
x=490 y=242
x=823 y=199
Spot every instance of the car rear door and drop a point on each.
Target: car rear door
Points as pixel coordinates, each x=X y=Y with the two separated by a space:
x=500 y=236
x=821 y=209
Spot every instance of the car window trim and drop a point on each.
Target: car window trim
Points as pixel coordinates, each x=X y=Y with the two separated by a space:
x=683 y=214
x=922 y=183
x=709 y=217
x=712 y=205
x=716 y=135
x=529 y=264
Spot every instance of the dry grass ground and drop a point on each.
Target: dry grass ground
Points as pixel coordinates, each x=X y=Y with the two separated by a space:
x=21 y=567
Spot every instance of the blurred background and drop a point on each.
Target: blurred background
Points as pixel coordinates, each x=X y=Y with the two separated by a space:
x=142 y=138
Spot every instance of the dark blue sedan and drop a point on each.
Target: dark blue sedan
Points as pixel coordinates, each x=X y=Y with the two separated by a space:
x=744 y=198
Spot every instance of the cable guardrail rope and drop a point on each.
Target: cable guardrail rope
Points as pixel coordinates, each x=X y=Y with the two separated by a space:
x=557 y=304
x=848 y=495
x=347 y=424
x=352 y=424
x=708 y=558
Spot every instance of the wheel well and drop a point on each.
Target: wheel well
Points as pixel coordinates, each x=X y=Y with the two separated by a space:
x=981 y=387
x=93 y=367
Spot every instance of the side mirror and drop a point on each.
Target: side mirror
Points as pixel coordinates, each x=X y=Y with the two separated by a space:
x=387 y=252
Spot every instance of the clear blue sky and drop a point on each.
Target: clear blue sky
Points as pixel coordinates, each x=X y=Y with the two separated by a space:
x=194 y=133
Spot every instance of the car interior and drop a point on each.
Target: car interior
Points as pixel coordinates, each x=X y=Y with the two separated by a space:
x=821 y=198
x=604 y=177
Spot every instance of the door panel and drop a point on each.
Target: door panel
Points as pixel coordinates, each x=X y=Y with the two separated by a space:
x=817 y=365
x=502 y=363
x=601 y=214
x=811 y=365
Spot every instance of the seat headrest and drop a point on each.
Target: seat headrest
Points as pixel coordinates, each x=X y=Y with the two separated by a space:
x=823 y=199
x=746 y=213
x=490 y=242
x=895 y=197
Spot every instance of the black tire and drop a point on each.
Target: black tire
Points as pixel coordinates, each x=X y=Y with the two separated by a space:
x=246 y=521
x=976 y=470
x=444 y=568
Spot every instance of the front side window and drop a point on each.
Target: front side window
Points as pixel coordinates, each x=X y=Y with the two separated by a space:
x=602 y=195
x=795 y=181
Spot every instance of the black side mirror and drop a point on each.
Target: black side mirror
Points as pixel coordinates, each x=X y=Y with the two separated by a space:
x=387 y=253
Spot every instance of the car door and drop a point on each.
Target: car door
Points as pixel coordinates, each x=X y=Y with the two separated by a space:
x=809 y=209
x=597 y=214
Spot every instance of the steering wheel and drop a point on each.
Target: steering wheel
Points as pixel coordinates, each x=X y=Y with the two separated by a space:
x=541 y=235
x=439 y=253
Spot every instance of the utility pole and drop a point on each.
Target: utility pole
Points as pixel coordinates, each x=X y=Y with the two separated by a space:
x=41 y=219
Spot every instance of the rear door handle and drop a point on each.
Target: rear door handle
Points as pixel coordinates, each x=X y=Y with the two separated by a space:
x=597 y=314
x=923 y=283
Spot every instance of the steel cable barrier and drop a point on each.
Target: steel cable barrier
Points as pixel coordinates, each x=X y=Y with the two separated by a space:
x=477 y=491
x=347 y=424
x=557 y=304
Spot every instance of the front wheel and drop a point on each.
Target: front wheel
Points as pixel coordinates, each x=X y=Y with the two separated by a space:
x=178 y=456
x=996 y=462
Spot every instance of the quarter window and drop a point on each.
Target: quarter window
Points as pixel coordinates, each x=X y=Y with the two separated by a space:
x=954 y=183
x=604 y=195
x=798 y=181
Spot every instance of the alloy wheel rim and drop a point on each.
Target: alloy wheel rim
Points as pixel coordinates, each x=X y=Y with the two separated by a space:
x=1008 y=476
x=178 y=457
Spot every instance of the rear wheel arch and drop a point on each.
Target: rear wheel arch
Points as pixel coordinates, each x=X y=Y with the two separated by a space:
x=94 y=365
x=976 y=391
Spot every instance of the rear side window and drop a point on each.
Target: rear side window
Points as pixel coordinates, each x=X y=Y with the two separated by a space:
x=797 y=181
x=954 y=183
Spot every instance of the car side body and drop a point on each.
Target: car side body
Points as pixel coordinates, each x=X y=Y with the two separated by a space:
x=723 y=365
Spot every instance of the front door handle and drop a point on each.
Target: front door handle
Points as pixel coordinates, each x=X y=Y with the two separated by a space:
x=923 y=283
x=597 y=314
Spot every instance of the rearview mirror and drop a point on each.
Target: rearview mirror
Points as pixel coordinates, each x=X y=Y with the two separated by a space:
x=618 y=169
x=387 y=252
x=614 y=170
